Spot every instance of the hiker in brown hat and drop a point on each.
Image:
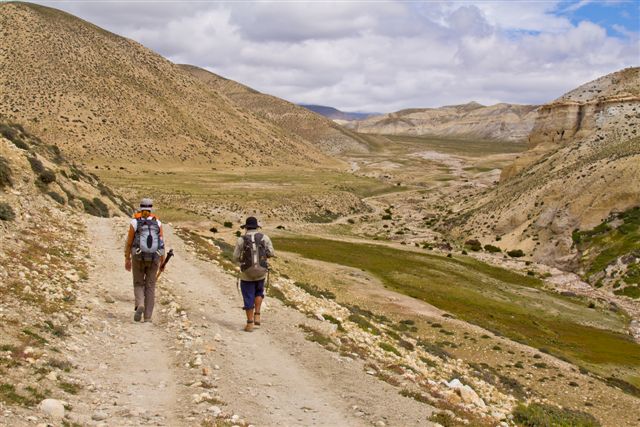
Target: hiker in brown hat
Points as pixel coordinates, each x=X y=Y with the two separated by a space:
x=252 y=251
x=144 y=255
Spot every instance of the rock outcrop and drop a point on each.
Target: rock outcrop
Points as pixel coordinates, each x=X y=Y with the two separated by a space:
x=606 y=108
x=584 y=164
x=506 y=122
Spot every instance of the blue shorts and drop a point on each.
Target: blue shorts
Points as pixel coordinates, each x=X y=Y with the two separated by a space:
x=251 y=290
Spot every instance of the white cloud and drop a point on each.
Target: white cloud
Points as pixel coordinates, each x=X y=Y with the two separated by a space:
x=379 y=56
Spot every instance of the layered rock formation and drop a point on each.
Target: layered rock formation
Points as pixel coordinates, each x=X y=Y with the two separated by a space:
x=506 y=122
x=606 y=108
x=584 y=164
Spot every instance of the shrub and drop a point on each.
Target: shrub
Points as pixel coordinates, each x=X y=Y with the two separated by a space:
x=13 y=135
x=473 y=244
x=541 y=415
x=388 y=347
x=228 y=224
x=238 y=233
x=213 y=230
x=386 y=217
x=36 y=165
x=315 y=291
x=5 y=173
x=91 y=208
x=6 y=212
x=629 y=291
x=515 y=253
x=57 y=197
x=102 y=207
x=47 y=177
x=492 y=249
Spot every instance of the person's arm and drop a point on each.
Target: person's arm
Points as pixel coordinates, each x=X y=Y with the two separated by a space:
x=270 y=251
x=127 y=248
x=238 y=249
x=165 y=247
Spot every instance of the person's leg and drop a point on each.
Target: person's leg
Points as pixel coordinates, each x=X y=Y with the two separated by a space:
x=258 y=301
x=248 y=295
x=137 y=269
x=151 y=271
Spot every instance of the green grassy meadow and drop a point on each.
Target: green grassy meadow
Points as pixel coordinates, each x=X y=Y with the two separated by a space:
x=502 y=301
x=266 y=187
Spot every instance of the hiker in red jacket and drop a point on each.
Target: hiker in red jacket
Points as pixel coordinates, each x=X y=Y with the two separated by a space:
x=144 y=255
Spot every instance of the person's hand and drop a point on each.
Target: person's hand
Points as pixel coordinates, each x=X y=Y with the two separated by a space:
x=127 y=264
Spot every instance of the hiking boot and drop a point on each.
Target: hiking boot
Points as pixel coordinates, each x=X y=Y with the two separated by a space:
x=138 y=315
x=147 y=320
x=249 y=326
x=256 y=319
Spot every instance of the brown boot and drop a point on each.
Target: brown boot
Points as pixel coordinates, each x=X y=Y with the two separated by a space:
x=249 y=326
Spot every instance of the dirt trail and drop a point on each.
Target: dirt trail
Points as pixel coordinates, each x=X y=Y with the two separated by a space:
x=272 y=376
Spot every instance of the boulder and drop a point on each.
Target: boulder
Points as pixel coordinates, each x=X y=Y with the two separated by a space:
x=52 y=407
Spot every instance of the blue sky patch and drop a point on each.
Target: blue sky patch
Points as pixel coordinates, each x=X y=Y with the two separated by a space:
x=616 y=16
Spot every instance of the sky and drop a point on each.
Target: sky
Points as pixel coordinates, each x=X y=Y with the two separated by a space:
x=386 y=55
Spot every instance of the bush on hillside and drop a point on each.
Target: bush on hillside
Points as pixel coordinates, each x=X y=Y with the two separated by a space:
x=57 y=197
x=492 y=249
x=57 y=155
x=473 y=244
x=47 y=176
x=228 y=224
x=5 y=173
x=6 y=212
x=102 y=207
x=515 y=253
x=539 y=415
x=13 y=135
x=36 y=165
x=95 y=207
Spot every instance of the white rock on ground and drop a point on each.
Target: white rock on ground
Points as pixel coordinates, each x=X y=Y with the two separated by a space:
x=52 y=407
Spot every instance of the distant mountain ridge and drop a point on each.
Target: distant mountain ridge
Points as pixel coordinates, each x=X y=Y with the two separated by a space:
x=508 y=122
x=104 y=98
x=320 y=131
x=335 y=114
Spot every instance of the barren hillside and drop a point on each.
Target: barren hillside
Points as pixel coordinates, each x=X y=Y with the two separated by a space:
x=501 y=122
x=322 y=132
x=584 y=164
x=101 y=97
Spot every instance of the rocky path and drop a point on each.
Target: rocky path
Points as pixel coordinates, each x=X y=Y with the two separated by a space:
x=194 y=361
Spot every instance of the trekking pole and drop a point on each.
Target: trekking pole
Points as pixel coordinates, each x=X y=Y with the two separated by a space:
x=166 y=260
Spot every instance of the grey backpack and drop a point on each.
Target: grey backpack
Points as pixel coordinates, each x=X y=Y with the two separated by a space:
x=253 y=259
x=147 y=243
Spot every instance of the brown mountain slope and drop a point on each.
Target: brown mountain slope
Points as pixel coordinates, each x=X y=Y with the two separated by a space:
x=501 y=121
x=322 y=132
x=101 y=97
x=583 y=165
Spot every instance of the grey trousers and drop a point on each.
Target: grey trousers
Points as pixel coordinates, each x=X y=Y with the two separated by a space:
x=144 y=284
